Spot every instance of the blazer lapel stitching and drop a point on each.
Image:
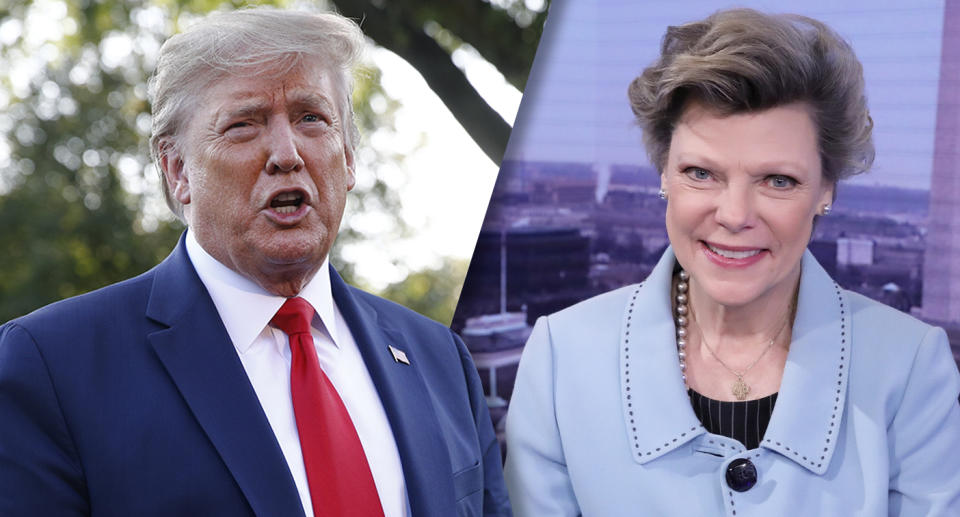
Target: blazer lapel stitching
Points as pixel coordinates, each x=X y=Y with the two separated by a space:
x=805 y=450
x=625 y=375
x=647 y=447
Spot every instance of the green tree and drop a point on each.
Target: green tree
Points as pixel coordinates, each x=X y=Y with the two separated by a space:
x=432 y=292
x=426 y=34
x=78 y=195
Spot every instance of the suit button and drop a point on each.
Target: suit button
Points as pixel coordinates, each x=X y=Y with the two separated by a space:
x=741 y=475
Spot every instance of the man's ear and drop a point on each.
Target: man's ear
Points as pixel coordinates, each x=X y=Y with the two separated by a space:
x=351 y=167
x=174 y=170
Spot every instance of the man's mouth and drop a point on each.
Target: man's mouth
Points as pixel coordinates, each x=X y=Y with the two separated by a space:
x=287 y=202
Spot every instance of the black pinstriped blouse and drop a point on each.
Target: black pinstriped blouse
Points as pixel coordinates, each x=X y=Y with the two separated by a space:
x=745 y=421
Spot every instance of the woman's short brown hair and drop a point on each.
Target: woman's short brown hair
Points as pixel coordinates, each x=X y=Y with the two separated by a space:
x=743 y=60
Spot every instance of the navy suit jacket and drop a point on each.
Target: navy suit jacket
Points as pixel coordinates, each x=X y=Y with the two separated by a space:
x=131 y=400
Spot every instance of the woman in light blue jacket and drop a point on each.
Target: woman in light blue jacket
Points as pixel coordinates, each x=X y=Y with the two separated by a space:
x=739 y=378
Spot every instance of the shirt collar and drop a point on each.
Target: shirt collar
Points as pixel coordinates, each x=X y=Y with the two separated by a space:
x=246 y=308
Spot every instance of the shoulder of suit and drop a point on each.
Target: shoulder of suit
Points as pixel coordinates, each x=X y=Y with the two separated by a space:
x=101 y=306
x=395 y=313
x=608 y=304
x=866 y=311
x=880 y=326
x=424 y=336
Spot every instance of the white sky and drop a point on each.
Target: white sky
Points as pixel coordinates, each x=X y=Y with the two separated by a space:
x=448 y=180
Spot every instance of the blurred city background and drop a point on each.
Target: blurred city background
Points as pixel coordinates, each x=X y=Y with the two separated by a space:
x=80 y=202
x=575 y=210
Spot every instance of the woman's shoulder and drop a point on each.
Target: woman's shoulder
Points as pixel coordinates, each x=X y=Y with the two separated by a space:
x=601 y=321
x=904 y=374
x=890 y=347
x=889 y=334
x=650 y=297
x=884 y=325
x=605 y=305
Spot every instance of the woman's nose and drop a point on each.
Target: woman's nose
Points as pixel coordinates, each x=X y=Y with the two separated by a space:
x=735 y=208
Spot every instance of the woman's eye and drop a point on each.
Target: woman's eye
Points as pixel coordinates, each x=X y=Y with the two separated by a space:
x=780 y=181
x=697 y=173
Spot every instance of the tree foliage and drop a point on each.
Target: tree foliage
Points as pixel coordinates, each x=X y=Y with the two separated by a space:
x=79 y=198
x=431 y=292
x=427 y=33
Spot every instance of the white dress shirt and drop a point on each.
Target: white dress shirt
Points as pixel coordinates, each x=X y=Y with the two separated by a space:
x=246 y=310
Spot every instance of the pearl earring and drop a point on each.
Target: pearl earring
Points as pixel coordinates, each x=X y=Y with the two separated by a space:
x=662 y=194
x=827 y=209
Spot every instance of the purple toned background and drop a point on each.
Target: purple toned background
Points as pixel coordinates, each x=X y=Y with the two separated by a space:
x=575 y=212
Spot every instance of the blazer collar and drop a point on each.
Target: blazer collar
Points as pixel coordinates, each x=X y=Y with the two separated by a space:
x=809 y=409
x=656 y=407
x=406 y=400
x=201 y=360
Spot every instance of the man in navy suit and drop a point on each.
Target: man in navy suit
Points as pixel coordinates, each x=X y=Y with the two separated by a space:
x=173 y=393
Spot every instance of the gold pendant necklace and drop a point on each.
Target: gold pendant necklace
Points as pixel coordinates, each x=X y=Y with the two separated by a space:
x=740 y=388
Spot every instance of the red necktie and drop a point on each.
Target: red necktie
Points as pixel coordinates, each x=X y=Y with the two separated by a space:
x=337 y=471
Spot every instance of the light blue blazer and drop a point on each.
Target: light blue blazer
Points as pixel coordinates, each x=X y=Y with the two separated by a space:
x=866 y=422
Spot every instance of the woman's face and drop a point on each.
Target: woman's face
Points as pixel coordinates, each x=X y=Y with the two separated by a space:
x=742 y=191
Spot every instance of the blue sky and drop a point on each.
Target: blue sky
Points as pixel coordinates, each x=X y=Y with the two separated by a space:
x=575 y=107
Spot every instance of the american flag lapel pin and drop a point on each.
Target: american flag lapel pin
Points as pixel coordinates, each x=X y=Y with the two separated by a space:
x=399 y=355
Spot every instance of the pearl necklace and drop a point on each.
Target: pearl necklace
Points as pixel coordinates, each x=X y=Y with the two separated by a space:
x=682 y=311
x=740 y=388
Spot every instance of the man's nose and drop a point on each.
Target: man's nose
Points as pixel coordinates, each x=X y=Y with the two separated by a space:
x=282 y=142
x=735 y=208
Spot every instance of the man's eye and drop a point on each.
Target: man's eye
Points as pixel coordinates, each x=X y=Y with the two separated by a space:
x=236 y=125
x=779 y=181
x=312 y=117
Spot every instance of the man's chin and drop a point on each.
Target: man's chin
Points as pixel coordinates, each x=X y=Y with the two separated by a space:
x=286 y=270
x=295 y=253
x=294 y=258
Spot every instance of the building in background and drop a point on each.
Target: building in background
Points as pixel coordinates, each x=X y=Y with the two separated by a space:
x=576 y=171
x=941 y=272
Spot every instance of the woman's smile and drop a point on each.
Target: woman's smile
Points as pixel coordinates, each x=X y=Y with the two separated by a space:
x=742 y=192
x=728 y=256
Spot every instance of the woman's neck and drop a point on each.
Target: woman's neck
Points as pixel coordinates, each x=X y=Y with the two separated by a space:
x=740 y=329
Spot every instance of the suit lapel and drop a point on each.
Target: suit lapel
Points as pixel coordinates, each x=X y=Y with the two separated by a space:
x=426 y=464
x=200 y=359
